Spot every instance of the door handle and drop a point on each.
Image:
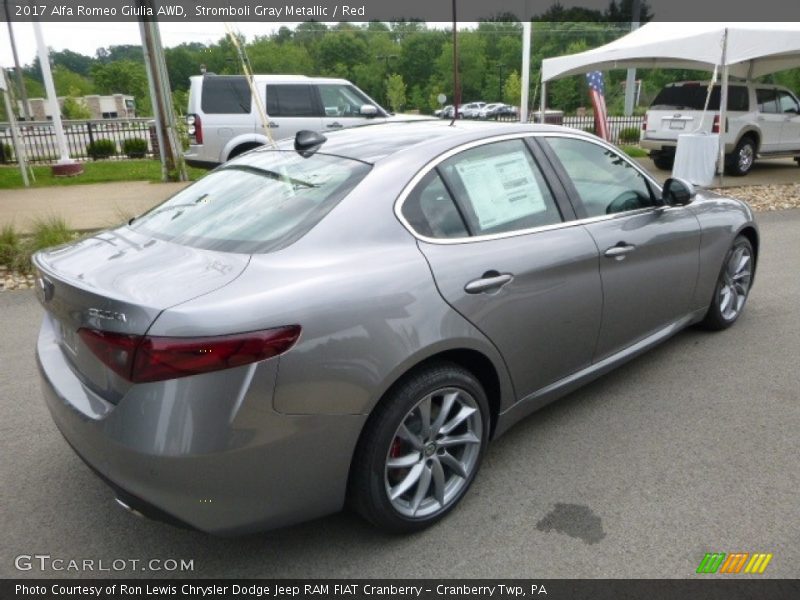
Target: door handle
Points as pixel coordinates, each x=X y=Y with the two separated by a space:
x=619 y=251
x=491 y=281
x=334 y=125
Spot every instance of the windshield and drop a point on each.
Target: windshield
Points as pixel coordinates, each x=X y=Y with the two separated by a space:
x=260 y=205
x=693 y=97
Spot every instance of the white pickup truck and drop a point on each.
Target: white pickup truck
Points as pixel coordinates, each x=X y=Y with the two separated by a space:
x=763 y=121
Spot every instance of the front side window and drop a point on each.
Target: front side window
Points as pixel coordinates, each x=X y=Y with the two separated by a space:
x=787 y=103
x=260 y=205
x=500 y=189
x=606 y=183
x=291 y=100
x=342 y=100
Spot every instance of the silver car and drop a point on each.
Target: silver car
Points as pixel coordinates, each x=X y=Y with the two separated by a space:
x=353 y=319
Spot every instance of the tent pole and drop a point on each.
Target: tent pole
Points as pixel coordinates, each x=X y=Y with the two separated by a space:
x=543 y=103
x=526 y=71
x=723 y=107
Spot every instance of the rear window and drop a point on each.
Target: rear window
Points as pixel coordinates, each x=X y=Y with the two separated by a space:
x=225 y=95
x=261 y=206
x=693 y=97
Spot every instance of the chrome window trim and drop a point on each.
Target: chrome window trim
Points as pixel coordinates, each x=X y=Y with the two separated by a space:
x=409 y=187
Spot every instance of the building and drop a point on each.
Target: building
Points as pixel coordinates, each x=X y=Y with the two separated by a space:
x=102 y=107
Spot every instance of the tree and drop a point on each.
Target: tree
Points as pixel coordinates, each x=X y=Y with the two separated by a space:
x=512 y=89
x=69 y=83
x=74 y=109
x=396 y=92
x=124 y=77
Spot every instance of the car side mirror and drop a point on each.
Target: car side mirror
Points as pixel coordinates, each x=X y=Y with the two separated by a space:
x=367 y=110
x=677 y=192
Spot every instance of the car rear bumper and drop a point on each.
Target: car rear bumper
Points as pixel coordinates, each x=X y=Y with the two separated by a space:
x=223 y=464
x=668 y=146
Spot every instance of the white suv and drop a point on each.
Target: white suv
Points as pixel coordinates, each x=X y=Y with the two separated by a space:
x=223 y=119
x=762 y=121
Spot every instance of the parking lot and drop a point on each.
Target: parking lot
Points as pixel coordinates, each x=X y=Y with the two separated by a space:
x=692 y=448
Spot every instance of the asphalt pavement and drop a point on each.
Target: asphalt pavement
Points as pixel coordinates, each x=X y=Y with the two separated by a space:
x=691 y=448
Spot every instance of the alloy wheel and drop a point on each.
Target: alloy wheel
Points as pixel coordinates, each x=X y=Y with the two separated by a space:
x=433 y=453
x=735 y=285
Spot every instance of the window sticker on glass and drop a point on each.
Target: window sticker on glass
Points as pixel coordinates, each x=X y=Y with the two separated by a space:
x=502 y=188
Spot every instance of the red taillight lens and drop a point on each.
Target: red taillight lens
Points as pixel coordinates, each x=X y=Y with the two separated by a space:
x=141 y=359
x=715 y=125
x=115 y=350
x=644 y=123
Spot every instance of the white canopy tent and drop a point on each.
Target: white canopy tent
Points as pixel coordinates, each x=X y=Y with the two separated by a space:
x=745 y=50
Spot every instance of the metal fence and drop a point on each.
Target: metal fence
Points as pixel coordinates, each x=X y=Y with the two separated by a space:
x=622 y=130
x=82 y=136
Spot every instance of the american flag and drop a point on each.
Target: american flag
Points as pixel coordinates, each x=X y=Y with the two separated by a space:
x=597 y=93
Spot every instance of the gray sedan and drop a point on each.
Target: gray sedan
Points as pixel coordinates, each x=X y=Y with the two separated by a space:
x=353 y=319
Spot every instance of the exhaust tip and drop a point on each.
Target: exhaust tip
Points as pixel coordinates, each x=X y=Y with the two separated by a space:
x=127 y=507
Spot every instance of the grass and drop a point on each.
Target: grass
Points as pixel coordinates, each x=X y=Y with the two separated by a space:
x=104 y=171
x=16 y=250
x=634 y=151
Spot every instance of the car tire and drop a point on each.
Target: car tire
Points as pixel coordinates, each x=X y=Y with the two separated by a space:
x=733 y=286
x=665 y=163
x=407 y=475
x=744 y=155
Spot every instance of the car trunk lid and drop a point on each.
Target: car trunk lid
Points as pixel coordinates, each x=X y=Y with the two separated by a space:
x=119 y=281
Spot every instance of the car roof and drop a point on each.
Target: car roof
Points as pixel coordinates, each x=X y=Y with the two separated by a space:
x=373 y=143
x=279 y=78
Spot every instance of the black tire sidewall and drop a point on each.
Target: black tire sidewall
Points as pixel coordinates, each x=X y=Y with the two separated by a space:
x=714 y=319
x=733 y=166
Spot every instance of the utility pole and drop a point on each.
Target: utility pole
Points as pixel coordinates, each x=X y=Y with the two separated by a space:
x=172 y=165
x=456 y=83
x=630 y=82
x=26 y=110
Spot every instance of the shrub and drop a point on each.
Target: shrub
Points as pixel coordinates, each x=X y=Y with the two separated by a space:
x=8 y=153
x=629 y=135
x=10 y=244
x=52 y=231
x=101 y=149
x=135 y=147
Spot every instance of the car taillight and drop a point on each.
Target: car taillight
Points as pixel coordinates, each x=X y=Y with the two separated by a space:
x=715 y=125
x=152 y=358
x=644 y=123
x=194 y=127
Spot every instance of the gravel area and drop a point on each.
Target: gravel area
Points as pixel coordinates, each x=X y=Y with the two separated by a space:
x=760 y=197
x=766 y=197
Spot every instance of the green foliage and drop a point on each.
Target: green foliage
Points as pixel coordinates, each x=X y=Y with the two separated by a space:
x=99 y=149
x=396 y=92
x=629 y=135
x=73 y=109
x=69 y=83
x=124 y=77
x=512 y=89
x=49 y=232
x=10 y=246
x=134 y=147
x=634 y=151
x=8 y=153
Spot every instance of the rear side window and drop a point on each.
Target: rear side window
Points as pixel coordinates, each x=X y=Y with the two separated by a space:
x=260 y=205
x=693 y=97
x=500 y=189
x=225 y=95
x=767 y=101
x=787 y=103
x=431 y=211
x=291 y=100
